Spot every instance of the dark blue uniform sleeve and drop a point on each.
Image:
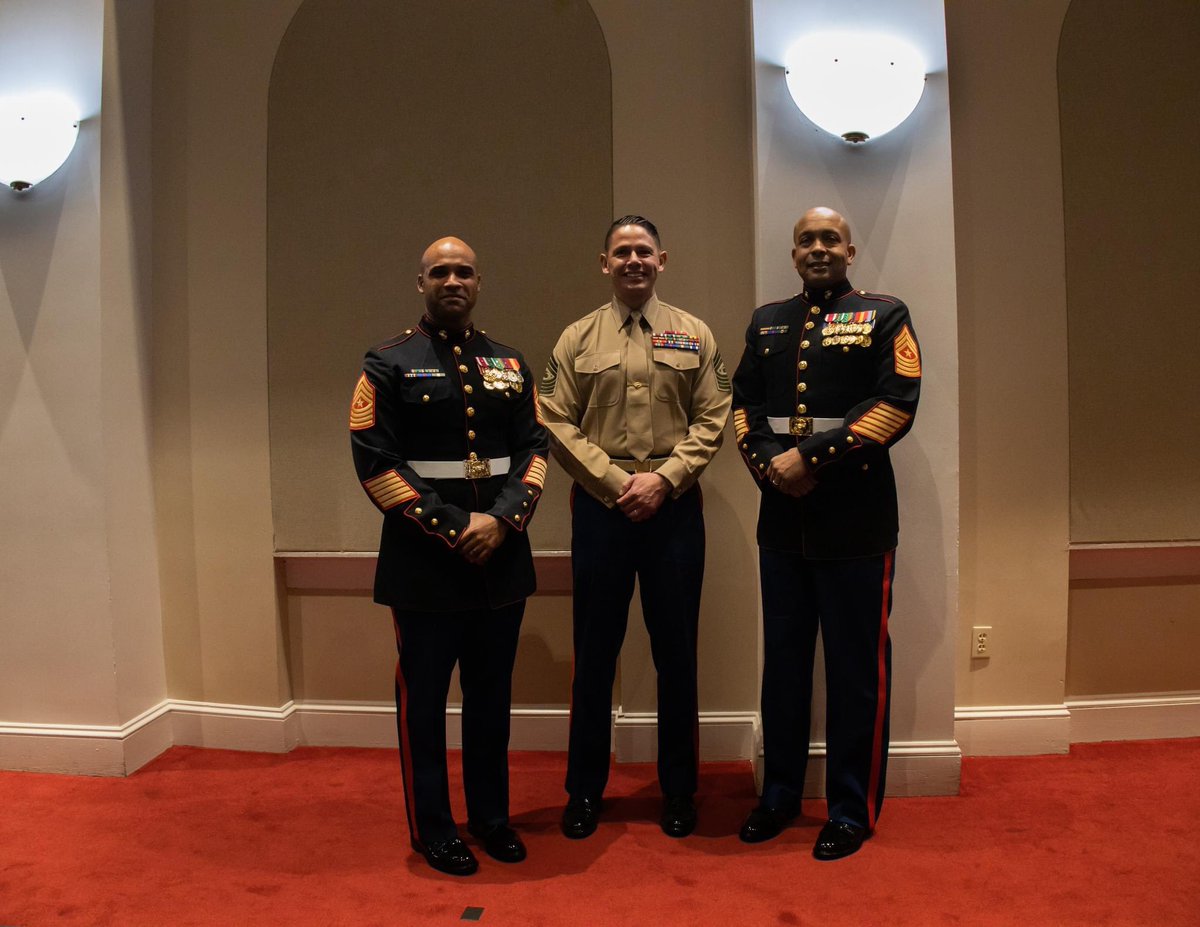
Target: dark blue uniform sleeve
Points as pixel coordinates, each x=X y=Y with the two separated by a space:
x=756 y=442
x=390 y=483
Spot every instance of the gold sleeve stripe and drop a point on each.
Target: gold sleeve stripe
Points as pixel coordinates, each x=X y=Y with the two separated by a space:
x=536 y=474
x=389 y=490
x=881 y=423
x=740 y=423
x=908 y=358
x=362 y=406
x=537 y=409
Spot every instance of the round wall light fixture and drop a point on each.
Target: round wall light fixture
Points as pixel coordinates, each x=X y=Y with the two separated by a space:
x=855 y=85
x=37 y=133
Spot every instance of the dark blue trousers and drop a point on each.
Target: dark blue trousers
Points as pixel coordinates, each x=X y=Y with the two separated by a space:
x=483 y=642
x=849 y=600
x=666 y=554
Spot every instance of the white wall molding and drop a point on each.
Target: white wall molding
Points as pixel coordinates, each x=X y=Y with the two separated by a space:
x=914 y=767
x=1141 y=717
x=723 y=736
x=235 y=727
x=86 y=749
x=1012 y=730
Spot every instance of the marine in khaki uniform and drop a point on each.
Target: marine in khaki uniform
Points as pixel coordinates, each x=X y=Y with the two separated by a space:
x=448 y=446
x=635 y=397
x=828 y=383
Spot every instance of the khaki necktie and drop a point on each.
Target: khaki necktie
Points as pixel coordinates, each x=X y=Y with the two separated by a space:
x=639 y=436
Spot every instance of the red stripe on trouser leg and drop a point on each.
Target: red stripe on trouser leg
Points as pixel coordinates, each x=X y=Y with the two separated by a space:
x=881 y=696
x=402 y=729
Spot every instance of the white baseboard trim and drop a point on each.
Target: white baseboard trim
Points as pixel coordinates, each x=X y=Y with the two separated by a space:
x=1143 y=717
x=1013 y=730
x=723 y=736
x=235 y=727
x=914 y=767
x=86 y=749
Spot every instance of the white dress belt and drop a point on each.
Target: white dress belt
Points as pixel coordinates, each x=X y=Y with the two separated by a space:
x=459 y=469
x=782 y=425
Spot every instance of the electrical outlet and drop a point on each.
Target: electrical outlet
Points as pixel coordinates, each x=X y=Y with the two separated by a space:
x=981 y=642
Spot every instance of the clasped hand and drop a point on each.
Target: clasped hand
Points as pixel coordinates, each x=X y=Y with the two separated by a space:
x=481 y=537
x=643 y=495
x=790 y=474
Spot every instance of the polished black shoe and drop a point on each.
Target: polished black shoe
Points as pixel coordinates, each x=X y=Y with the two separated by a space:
x=501 y=842
x=838 y=839
x=580 y=817
x=452 y=856
x=765 y=823
x=678 y=816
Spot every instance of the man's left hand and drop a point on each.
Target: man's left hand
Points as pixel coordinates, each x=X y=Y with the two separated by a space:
x=643 y=496
x=481 y=537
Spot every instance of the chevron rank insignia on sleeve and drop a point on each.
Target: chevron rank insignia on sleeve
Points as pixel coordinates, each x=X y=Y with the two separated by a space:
x=362 y=406
x=908 y=358
x=722 y=373
x=549 y=379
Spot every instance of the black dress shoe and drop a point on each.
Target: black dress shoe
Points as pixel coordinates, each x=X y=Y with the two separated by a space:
x=678 y=816
x=452 y=856
x=838 y=839
x=501 y=842
x=580 y=817
x=765 y=823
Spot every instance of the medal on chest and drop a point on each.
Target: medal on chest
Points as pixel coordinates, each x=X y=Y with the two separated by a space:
x=501 y=373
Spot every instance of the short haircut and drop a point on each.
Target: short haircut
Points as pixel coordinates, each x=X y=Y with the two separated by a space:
x=633 y=220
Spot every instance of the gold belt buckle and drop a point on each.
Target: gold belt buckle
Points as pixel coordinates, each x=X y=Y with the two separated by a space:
x=643 y=466
x=800 y=425
x=476 y=468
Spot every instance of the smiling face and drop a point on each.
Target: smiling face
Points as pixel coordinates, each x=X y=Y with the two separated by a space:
x=449 y=281
x=633 y=260
x=822 y=252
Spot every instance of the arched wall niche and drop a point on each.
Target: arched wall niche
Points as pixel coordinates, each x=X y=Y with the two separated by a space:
x=392 y=124
x=1127 y=74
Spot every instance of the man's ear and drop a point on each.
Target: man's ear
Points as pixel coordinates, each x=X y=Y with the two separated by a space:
x=850 y=252
x=604 y=268
x=420 y=283
x=662 y=260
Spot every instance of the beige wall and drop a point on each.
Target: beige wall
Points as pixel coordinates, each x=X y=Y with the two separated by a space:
x=212 y=63
x=80 y=625
x=1130 y=208
x=54 y=555
x=1012 y=344
x=1133 y=635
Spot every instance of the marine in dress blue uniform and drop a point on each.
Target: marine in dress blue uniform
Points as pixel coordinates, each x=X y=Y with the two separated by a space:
x=828 y=382
x=449 y=446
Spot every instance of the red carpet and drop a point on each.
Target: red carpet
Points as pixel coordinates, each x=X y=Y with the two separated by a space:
x=317 y=836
